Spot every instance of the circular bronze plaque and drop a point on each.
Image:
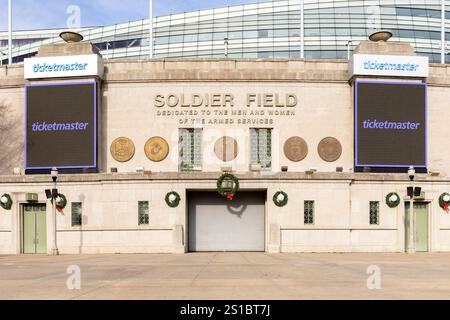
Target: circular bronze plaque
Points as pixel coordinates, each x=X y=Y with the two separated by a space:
x=330 y=149
x=295 y=149
x=122 y=149
x=226 y=149
x=156 y=149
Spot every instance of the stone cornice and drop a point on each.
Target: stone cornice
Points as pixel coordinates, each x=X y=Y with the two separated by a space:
x=212 y=176
x=262 y=70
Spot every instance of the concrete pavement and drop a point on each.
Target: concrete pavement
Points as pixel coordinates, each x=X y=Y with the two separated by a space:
x=227 y=276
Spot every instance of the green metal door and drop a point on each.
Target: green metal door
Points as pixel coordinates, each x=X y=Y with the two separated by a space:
x=29 y=229
x=34 y=229
x=420 y=226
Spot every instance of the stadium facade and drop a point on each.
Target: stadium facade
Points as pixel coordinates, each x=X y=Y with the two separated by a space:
x=260 y=30
x=225 y=154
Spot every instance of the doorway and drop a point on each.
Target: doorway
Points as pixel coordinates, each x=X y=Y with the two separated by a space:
x=218 y=224
x=34 y=229
x=421 y=226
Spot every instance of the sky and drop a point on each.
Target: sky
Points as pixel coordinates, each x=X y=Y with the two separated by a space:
x=44 y=14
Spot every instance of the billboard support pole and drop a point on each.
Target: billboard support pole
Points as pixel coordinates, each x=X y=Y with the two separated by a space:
x=54 y=174
x=150 y=24
x=302 y=29
x=443 y=31
x=9 y=32
x=411 y=246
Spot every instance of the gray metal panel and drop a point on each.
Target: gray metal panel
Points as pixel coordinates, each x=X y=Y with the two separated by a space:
x=218 y=224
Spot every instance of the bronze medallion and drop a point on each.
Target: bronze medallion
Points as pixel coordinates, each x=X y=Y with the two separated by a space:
x=330 y=149
x=295 y=149
x=122 y=149
x=226 y=149
x=156 y=149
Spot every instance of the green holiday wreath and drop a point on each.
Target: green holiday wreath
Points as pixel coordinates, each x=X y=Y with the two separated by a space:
x=444 y=201
x=392 y=200
x=228 y=185
x=62 y=203
x=280 y=199
x=172 y=199
x=6 y=201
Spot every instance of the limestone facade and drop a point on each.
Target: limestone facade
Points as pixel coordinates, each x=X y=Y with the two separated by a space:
x=129 y=108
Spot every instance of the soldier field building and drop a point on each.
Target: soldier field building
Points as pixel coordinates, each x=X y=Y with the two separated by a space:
x=186 y=155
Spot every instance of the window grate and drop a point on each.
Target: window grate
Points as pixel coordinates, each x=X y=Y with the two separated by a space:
x=309 y=212
x=143 y=213
x=77 y=214
x=190 y=153
x=374 y=212
x=261 y=147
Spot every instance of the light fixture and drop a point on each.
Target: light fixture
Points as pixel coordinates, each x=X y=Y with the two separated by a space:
x=70 y=36
x=410 y=191
x=228 y=185
x=54 y=174
x=411 y=173
x=339 y=169
x=417 y=191
x=349 y=45
x=380 y=36
x=225 y=42
x=32 y=197
x=414 y=191
x=284 y=169
x=48 y=193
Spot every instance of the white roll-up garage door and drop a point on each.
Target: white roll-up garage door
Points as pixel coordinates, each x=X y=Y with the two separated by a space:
x=218 y=224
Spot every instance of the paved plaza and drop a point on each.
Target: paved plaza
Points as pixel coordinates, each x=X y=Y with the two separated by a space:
x=226 y=276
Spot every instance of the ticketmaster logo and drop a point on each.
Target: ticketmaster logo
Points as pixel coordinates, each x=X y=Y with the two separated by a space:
x=59 y=67
x=73 y=126
x=377 y=65
x=389 y=125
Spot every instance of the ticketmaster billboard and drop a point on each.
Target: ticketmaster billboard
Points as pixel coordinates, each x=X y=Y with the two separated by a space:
x=390 y=125
x=61 y=126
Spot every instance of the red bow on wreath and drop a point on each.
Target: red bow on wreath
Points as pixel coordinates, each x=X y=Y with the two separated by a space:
x=59 y=208
x=446 y=207
x=230 y=196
